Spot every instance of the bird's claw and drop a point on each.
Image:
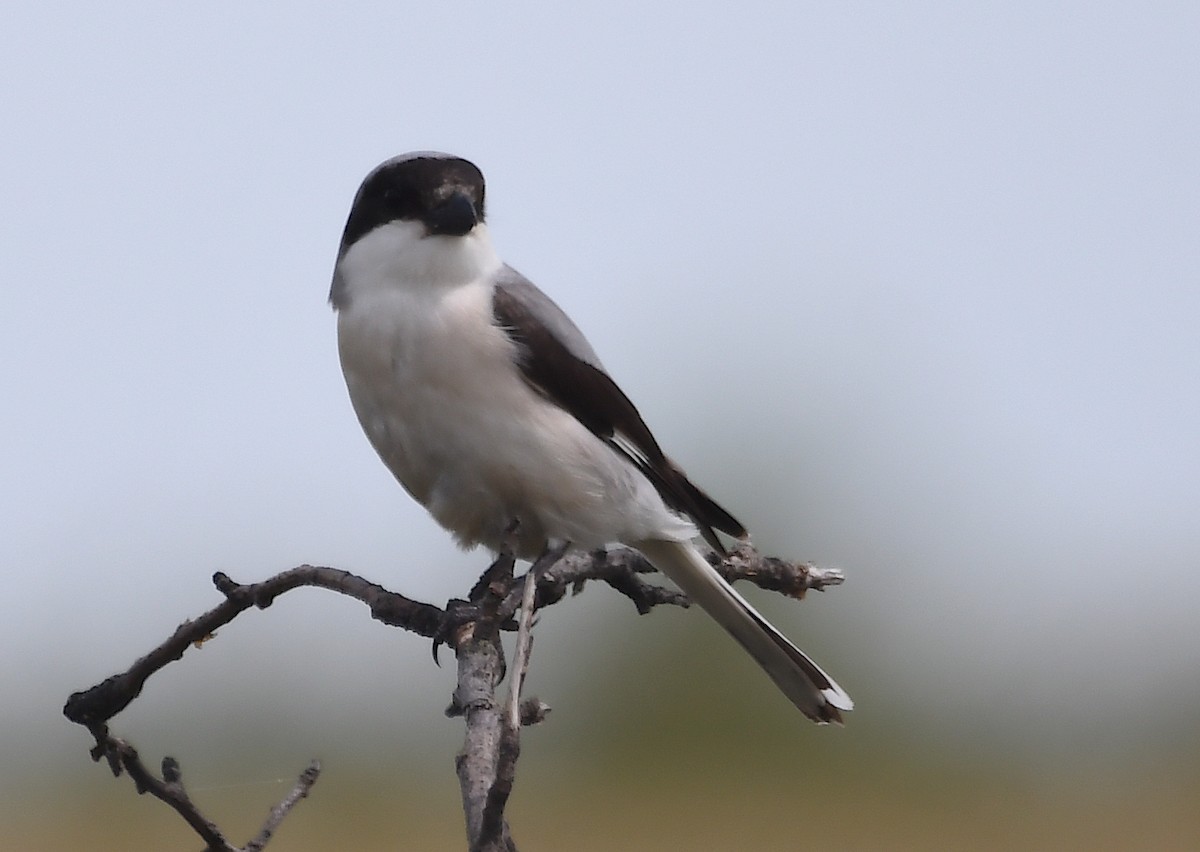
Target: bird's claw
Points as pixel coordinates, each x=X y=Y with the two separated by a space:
x=458 y=617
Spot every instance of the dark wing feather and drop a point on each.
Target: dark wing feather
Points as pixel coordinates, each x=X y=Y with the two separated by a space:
x=578 y=384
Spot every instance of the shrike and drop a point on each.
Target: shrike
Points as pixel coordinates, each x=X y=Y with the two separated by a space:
x=490 y=407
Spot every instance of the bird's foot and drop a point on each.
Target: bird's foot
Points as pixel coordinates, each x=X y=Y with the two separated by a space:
x=458 y=624
x=497 y=579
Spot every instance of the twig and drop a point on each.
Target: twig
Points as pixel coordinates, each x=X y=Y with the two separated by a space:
x=110 y=697
x=303 y=784
x=622 y=569
x=486 y=766
x=169 y=789
x=122 y=756
x=793 y=579
x=521 y=654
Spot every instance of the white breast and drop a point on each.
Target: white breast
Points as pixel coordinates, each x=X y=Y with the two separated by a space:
x=435 y=385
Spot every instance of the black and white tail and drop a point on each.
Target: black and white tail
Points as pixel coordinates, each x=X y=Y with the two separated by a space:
x=816 y=694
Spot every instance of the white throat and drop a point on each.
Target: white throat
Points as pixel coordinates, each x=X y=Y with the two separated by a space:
x=401 y=256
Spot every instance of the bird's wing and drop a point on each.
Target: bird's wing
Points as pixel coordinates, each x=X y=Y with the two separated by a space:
x=560 y=364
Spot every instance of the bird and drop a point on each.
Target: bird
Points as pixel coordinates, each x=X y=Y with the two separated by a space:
x=492 y=410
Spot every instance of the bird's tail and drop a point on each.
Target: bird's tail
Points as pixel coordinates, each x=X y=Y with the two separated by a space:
x=800 y=679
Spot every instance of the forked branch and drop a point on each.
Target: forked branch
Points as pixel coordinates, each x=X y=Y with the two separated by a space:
x=486 y=766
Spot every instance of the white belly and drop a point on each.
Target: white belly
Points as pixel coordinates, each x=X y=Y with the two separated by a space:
x=435 y=386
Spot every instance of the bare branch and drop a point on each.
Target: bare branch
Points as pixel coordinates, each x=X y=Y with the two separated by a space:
x=622 y=569
x=110 y=697
x=122 y=756
x=303 y=784
x=486 y=766
x=168 y=789
x=524 y=647
x=494 y=833
x=480 y=669
x=793 y=579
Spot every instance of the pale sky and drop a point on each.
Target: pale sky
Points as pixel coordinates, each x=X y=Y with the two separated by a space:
x=913 y=289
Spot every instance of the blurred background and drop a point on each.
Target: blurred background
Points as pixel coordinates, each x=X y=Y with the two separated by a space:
x=913 y=289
